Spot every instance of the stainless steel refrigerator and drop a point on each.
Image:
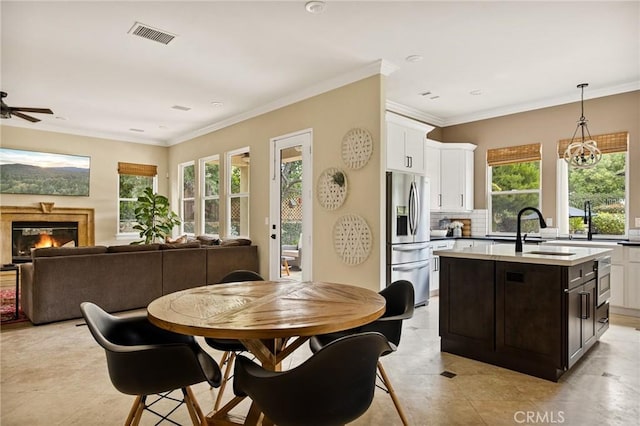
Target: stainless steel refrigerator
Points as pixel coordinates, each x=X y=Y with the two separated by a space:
x=408 y=232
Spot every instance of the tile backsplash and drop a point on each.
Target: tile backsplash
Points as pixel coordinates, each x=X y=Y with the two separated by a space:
x=478 y=220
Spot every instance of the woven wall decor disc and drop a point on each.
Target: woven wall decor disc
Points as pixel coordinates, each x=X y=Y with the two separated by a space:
x=352 y=239
x=357 y=147
x=331 y=195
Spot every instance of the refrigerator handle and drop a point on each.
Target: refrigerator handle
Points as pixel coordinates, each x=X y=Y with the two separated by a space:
x=416 y=209
x=412 y=197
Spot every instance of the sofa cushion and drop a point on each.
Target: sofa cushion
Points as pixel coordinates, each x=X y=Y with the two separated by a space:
x=132 y=247
x=195 y=244
x=67 y=251
x=236 y=242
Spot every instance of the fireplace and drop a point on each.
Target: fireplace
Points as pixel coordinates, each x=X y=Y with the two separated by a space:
x=26 y=236
x=53 y=220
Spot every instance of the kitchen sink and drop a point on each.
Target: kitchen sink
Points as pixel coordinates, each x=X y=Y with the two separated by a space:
x=551 y=253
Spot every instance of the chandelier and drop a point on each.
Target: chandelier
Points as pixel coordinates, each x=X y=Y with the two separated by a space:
x=582 y=153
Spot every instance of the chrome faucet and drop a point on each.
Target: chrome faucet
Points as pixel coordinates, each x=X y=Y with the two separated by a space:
x=587 y=219
x=543 y=224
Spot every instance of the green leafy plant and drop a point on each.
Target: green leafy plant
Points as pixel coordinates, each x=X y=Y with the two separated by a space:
x=576 y=224
x=609 y=223
x=155 y=218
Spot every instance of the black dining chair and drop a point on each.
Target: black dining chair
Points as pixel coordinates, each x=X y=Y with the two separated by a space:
x=144 y=360
x=230 y=347
x=400 y=301
x=333 y=387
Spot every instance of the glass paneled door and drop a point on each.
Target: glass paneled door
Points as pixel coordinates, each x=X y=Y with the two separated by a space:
x=290 y=207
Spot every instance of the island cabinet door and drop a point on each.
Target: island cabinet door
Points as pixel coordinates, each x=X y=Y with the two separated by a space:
x=581 y=321
x=467 y=308
x=529 y=308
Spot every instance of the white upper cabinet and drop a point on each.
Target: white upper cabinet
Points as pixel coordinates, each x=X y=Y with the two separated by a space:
x=450 y=168
x=406 y=143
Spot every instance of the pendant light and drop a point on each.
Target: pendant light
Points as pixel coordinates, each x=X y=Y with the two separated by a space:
x=582 y=153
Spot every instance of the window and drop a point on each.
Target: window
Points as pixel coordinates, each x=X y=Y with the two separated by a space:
x=238 y=177
x=132 y=180
x=210 y=202
x=603 y=185
x=514 y=183
x=187 y=175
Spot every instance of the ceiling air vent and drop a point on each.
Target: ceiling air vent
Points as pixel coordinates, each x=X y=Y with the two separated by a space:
x=180 y=108
x=145 y=31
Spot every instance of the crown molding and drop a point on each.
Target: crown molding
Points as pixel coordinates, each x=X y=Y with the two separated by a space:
x=378 y=67
x=414 y=113
x=539 y=104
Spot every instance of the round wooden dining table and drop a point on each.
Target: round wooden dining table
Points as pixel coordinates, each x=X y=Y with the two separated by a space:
x=271 y=318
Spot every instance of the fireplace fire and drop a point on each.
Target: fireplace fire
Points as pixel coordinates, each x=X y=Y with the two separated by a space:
x=26 y=236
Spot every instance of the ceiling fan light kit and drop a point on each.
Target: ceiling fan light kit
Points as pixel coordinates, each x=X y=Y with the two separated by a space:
x=7 y=111
x=582 y=153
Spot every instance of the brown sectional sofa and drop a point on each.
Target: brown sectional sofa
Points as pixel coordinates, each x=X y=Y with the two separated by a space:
x=120 y=278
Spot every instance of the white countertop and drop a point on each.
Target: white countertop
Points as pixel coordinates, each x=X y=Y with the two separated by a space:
x=507 y=253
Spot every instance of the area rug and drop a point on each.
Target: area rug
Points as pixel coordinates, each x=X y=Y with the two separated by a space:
x=7 y=309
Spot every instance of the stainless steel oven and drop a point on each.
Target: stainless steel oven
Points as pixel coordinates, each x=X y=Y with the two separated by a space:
x=603 y=285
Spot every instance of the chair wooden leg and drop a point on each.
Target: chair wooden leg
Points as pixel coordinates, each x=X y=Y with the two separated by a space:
x=132 y=412
x=141 y=400
x=197 y=416
x=229 y=358
x=392 y=393
x=285 y=266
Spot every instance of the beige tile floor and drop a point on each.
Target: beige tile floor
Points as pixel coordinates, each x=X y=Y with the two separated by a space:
x=56 y=375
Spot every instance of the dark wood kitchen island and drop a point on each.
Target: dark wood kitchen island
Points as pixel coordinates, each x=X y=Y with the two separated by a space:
x=533 y=312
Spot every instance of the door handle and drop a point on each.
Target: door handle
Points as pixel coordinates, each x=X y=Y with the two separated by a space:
x=411 y=268
x=585 y=309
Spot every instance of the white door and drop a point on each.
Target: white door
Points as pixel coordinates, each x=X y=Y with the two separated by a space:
x=291 y=202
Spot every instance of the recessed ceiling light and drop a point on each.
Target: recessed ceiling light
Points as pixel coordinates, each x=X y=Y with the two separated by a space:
x=434 y=97
x=216 y=104
x=58 y=117
x=428 y=92
x=315 y=7
x=181 y=108
x=136 y=130
x=476 y=92
x=413 y=58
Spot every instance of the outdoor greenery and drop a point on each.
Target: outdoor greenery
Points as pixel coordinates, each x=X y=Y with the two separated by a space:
x=514 y=186
x=131 y=187
x=291 y=192
x=604 y=186
x=211 y=200
x=188 y=200
x=155 y=218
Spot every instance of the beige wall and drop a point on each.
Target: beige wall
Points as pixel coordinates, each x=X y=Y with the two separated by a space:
x=330 y=115
x=547 y=126
x=105 y=155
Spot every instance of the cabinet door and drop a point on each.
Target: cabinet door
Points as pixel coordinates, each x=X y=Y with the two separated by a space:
x=632 y=296
x=396 y=159
x=528 y=312
x=581 y=320
x=451 y=180
x=617 y=285
x=432 y=171
x=414 y=150
x=467 y=305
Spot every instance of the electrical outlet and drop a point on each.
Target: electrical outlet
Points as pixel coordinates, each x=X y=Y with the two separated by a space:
x=549 y=221
x=637 y=222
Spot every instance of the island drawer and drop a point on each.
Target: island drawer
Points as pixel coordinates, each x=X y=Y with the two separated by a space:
x=582 y=273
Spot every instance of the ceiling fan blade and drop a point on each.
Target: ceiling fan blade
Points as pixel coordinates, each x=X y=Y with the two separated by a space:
x=25 y=116
x=39 y=110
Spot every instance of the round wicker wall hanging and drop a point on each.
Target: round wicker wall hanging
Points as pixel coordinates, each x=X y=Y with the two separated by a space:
x=352 y=239
x=332 y=188
x=357 y=147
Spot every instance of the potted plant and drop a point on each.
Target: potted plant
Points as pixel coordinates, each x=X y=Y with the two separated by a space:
x=155 y=218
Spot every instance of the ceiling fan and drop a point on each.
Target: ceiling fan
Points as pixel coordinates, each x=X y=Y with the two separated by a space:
x=8 y=111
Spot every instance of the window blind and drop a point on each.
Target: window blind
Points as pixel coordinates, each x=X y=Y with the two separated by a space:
x=137 y=169
x=607 y=143
x=514 y=154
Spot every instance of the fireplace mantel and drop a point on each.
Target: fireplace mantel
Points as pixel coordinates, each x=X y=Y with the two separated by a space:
x=9 y=214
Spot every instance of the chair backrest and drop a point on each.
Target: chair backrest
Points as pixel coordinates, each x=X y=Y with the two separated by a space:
x=143 y=359
x=400 y=301
x=333 y=387
x=241 y=275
